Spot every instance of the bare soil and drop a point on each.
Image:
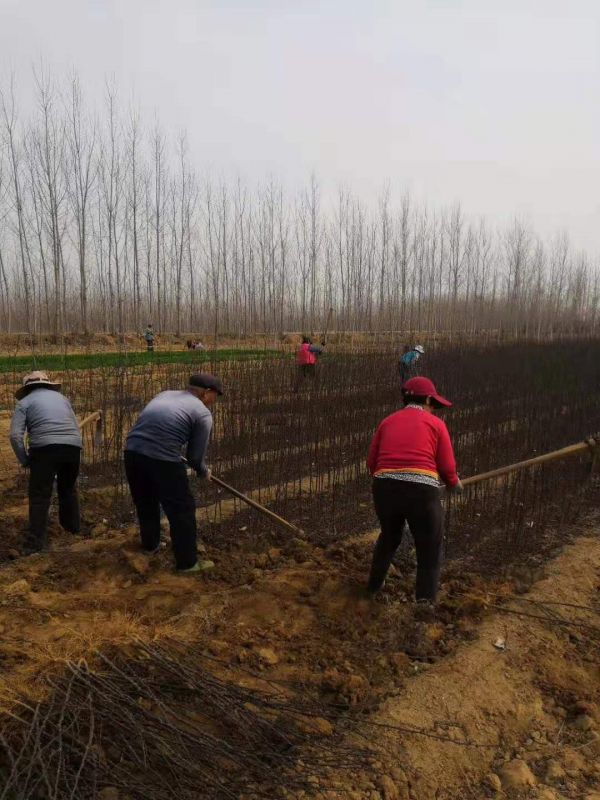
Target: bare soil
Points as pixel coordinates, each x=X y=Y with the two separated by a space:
x=21 y=344
x=450 y=715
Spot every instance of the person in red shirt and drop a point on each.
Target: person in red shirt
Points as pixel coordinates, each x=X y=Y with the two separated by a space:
x=410 y=457
x=306 y=360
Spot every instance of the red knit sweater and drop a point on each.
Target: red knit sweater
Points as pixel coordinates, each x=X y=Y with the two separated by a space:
x=413 y=440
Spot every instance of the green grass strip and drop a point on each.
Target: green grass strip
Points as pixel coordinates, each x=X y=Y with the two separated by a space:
x=61 y=361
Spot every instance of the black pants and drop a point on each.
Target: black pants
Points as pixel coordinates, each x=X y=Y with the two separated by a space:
x=60 y=461
x=406 y=372
x=150 y=347
x=397 y=502
x=153 y=484
x=304 y=372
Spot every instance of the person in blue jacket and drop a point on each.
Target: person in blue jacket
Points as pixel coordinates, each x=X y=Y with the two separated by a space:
x=408 y=362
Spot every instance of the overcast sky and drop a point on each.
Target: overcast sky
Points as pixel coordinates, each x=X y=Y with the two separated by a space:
x=491 y=102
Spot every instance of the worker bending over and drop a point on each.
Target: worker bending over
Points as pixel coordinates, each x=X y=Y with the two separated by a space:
x=409 y=454
x=157 y=471
x=54 y=451
x=408 y=362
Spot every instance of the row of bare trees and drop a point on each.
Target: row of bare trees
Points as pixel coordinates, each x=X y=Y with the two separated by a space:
x=105 y=226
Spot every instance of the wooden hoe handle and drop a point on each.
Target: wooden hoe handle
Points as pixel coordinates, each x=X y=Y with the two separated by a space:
x=95 y=416
x=326 y=329
x=244 y=498
x=572 y=450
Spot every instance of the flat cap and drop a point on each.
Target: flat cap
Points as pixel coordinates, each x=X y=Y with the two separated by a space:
x=205 y=381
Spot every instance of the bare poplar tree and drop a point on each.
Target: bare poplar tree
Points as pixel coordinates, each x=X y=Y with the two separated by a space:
x=82 y=144
x=5 y=288
x=9 y=113
x=102 y=223
x=159 y=199
x=134 y=206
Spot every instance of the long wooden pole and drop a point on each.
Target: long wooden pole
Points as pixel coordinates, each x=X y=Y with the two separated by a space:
x=244 y=498
x=555 y=455
x=327 y=321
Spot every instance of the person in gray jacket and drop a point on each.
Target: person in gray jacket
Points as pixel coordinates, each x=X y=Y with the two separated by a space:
x=157 y=470
x=53 y=452
x=149 y=338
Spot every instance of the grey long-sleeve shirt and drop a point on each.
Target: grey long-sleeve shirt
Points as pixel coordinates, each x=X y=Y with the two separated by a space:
x=47 y=417
x=167 y=424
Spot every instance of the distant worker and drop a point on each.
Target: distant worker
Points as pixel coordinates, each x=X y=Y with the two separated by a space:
x=157 y=472
x=408 y=362
x=306 y=360
x=53 y=452
x=149 y=337
x=409 y=454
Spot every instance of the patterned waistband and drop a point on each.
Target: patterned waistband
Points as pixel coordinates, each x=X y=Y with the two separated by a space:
x=424 y=478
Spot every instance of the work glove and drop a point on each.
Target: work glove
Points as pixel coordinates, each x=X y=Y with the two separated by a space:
x=458 y=489
x=202 y=474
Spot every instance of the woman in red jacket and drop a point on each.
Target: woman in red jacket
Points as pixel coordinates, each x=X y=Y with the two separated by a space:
x=306 y=360
x=410 y=454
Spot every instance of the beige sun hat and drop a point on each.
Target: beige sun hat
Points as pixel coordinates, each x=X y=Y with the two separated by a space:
x=34 y=379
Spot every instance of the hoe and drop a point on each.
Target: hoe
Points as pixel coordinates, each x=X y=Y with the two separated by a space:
x=591 y=445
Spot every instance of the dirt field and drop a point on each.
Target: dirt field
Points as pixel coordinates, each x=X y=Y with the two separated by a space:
x=449 y=715
x=496 y=694
x=20 y=344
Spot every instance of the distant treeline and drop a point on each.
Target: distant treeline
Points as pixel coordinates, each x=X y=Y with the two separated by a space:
x=106 y=226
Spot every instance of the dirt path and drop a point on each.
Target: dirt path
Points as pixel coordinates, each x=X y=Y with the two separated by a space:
x=537 y=703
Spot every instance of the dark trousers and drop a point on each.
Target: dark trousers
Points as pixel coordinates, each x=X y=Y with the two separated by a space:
x=407 y=371
x=150 y=347
x=153 y=484
x=304 y=372
x=397 y=502
x=60 y=462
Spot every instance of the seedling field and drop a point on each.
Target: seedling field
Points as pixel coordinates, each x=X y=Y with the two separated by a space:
x=273 y=676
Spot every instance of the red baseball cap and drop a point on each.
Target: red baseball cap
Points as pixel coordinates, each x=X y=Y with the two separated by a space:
x=423 y=387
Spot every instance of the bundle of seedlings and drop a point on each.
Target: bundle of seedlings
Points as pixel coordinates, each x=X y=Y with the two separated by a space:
x=155 y=722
